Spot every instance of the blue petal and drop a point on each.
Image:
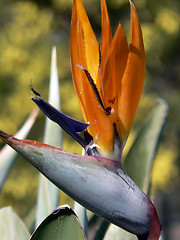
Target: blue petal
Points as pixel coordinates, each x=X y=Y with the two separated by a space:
x=70 y=125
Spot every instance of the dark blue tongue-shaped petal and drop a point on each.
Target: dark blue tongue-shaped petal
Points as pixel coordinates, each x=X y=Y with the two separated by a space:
x=70 y=125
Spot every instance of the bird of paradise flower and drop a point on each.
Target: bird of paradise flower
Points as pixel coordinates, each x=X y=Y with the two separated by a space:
x=108 y=79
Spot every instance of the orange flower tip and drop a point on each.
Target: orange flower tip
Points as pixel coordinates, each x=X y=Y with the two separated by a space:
x=130 y=2
x=132 y=5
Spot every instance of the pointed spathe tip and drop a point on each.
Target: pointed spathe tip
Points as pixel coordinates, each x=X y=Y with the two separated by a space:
x=3 y=135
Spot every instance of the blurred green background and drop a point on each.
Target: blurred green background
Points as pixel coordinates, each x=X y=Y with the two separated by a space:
x=29 y=29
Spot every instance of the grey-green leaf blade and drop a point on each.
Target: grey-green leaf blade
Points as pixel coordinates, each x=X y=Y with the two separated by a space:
x=61 y=224
x=11 y=226
x=139 y=160
x=48 y=193
x=8 y=155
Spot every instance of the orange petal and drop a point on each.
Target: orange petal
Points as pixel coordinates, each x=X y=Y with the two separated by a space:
x=106 y=34
x=84 y=51
x=114 y=70
x=82 y=33
x=133 y=79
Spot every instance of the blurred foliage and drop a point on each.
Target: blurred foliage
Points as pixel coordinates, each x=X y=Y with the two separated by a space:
x=165 y=160
x=29 y=29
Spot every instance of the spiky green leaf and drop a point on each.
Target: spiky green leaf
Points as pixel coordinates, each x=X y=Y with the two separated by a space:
x=8 y=155
x=139 y=160
x=11 y=226
x=49 y=194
